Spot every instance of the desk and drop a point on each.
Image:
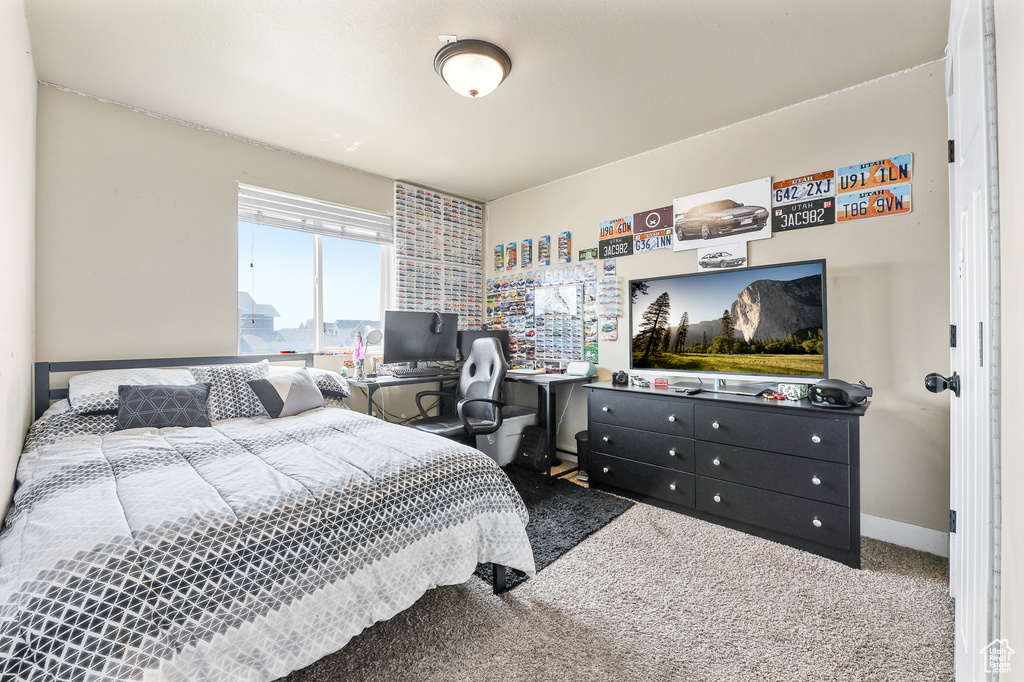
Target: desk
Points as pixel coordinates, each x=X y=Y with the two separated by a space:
x=371 y=386
x=546 y=386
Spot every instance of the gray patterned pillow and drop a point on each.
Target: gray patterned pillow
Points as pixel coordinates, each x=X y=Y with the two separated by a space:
x=96 y=392
x=230 y=395
x=330 y=383
x=288 y=394
x=161 y=406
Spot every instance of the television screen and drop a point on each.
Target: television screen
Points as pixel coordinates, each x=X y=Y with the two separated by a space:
x=753 y=322
x=413 y=336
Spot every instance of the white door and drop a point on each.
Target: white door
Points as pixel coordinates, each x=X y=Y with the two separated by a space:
x=974 y=446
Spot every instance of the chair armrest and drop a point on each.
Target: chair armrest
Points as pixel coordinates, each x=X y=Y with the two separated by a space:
x=440 y=394
x=479 y=431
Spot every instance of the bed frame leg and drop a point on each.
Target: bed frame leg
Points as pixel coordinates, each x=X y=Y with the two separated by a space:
x=499 y=578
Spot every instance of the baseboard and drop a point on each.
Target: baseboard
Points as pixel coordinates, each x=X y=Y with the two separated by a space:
x=905 y=535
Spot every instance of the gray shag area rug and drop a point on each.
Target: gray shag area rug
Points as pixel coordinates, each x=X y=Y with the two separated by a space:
x=562 y=515
x=659 y=596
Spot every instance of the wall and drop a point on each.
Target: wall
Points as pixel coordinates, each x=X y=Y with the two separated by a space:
x=17 y=246
x=1009 y=16
x=137 y=228
x=888 y=286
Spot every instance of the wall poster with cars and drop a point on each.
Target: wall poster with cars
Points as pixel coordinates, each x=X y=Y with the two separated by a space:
x=738 y=213
x=722 y=257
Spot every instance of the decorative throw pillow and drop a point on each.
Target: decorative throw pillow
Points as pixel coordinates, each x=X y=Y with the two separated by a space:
x=230 y=395
x=330 y=383
x=160 y=406
x=284 y=395
x=96 y=392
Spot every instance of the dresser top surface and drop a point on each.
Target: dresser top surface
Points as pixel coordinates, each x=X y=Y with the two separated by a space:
x=709 y=396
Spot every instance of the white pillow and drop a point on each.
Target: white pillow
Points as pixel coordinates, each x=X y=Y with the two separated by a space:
x=330 y=383
x=96 y=392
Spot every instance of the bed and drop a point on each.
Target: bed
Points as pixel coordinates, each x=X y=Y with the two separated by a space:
x=242 y=550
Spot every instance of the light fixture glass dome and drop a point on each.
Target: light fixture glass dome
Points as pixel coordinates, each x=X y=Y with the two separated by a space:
x=472 y=68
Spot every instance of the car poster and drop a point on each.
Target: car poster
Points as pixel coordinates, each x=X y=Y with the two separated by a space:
x=544 y=250
x=588 y=254
x=723 y=216
x=564 y=247
x=722 y=257
x=873 y=174
x=879 y=202
x=526 y=253
x=511 y=259
x=615 y=237
x=499 y=257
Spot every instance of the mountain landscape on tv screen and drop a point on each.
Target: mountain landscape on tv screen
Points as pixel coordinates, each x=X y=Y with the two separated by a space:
x=772 y=327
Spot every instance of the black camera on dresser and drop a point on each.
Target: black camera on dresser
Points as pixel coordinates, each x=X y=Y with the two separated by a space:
x=782 y=470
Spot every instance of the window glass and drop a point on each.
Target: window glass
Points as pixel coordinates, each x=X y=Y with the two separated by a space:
x=276 y=295
x=351 y=291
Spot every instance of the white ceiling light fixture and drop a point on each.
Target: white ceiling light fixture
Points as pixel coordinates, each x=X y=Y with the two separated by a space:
x=472 y=68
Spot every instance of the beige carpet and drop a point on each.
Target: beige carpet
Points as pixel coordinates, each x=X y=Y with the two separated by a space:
x=660 y=596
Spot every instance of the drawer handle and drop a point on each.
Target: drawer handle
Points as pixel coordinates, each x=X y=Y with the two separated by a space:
x=715 y=425
x=671 y=486
x=816 y=522
x=672 y=452
x=671 y=417
x=606 y=470
x=718 y=498
x=606 y=409
x=606 y=439
x=816 y=481
x=815 y=438
x=717 y=462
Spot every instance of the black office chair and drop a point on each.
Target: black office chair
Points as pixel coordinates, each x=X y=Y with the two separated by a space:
x=478 y=406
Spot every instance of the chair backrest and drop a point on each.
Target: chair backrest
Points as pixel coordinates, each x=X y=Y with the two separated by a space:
x=482 y=376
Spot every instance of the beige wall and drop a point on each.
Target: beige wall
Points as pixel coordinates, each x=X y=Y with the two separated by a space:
x=1010 y=92
x=137 y=228
x=888 y=287
x=17 y=237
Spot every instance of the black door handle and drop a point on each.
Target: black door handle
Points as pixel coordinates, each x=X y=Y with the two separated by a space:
x=936 y=383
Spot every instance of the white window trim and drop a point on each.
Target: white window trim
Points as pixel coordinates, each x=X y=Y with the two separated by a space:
x=260 y=206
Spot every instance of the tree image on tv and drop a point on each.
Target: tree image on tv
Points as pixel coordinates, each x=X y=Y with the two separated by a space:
x=772 y=327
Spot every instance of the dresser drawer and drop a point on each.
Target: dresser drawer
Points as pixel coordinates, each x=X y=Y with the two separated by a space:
x=642 y=411
x=810 y=478
x=819 y=438
x=654 y=481
x=672 y=452
x=776 y=511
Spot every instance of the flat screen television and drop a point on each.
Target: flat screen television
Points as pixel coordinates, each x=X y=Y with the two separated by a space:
x=466 y=339
x=414 y=336
x=746 y=323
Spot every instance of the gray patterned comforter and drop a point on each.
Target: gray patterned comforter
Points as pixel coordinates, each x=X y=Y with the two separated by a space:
x=241 y=551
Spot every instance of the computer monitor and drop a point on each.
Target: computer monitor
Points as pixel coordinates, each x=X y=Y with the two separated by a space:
x=418 y=336
x=466 y=339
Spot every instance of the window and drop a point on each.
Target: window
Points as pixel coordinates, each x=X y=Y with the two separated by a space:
x=311 y=275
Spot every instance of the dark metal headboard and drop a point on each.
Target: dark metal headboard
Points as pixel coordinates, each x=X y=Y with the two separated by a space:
x=43 y=393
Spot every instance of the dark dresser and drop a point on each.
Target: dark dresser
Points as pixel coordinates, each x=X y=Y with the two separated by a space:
x=782 y=470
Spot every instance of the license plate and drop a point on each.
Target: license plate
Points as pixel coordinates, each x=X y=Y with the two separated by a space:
x=880 y=173
x=746 y=221
x=616 y=246
x=804 y=188
x=804 y=214
x=655 y=240
x=879 y=202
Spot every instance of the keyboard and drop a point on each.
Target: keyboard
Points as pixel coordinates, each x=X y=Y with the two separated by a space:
x=420 y=372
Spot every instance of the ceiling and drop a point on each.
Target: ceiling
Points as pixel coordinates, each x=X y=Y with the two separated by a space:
x=352 y=81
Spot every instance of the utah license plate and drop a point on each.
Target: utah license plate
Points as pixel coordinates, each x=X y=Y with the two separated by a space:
x=879 y=173
x=804 y=214
x=879 y=202
x=803 y=188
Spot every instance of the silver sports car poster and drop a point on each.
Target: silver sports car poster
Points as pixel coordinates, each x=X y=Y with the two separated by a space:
x=712 y=219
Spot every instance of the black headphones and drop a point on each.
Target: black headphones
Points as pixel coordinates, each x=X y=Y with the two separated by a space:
x=439 y=325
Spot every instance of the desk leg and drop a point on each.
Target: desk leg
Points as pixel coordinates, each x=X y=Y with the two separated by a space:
x=370 y=388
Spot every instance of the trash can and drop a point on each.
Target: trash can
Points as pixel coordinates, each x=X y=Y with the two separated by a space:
x=583 y=455
x=501 y=445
